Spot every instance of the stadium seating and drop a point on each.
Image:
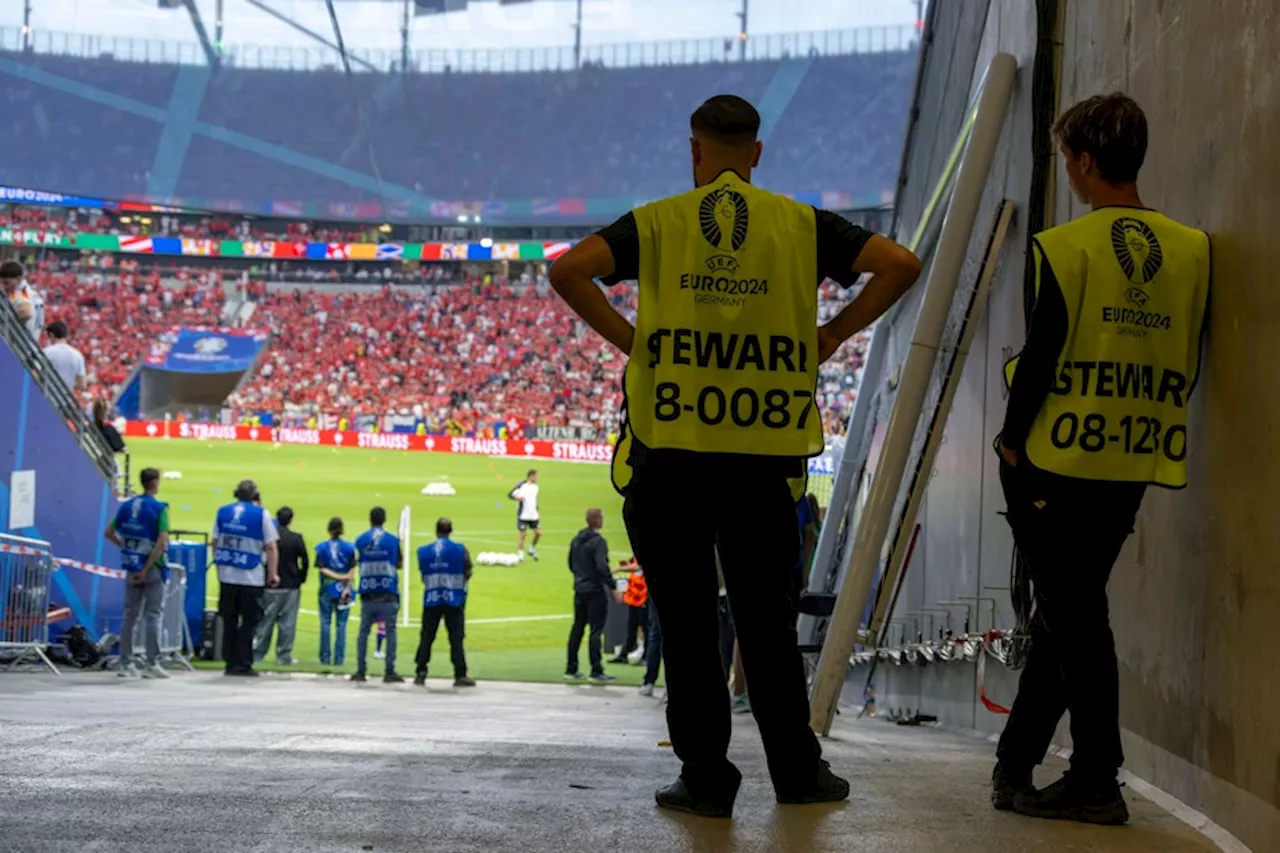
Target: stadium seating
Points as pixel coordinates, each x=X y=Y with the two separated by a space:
x=469 y=352
x=594 y=133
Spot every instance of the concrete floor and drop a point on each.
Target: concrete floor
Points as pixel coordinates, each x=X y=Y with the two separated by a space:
x=203 y=763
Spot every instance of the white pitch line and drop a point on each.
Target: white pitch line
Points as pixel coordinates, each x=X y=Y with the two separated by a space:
x=498 y=620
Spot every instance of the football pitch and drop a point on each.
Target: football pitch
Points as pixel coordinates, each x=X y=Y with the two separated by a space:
x=518 y=617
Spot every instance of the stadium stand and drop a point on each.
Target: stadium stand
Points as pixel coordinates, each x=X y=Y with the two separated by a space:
x=491 y=136
x=461 y=349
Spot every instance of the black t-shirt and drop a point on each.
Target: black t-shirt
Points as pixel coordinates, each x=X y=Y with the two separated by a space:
x=839 y=244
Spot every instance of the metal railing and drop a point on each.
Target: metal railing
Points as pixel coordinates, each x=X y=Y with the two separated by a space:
x=56 y=392
x=26 y=578
x=176 y=644
x=769 y=46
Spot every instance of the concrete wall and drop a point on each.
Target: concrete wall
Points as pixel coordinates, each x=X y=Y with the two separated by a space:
x=1196 y=591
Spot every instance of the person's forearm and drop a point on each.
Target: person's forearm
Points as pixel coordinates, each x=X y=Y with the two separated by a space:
x=586 y=300
x=878 y=296
x=273 y=562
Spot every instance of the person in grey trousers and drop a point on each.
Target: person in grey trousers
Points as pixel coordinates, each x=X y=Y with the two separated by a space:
x=141 y=531
x=280 y=605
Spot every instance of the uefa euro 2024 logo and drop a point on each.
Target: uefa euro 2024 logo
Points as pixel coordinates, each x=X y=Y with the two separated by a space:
x=210 y=346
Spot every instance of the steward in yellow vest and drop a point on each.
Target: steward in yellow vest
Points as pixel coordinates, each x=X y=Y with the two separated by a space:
x=720 y=412
x=1097 y=411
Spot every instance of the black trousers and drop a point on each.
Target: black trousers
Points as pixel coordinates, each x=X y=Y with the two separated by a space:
x=677 y=515
x=589 y=609
x=454 y=623
x=637 y=618
x=241 y=611
x=1070 y=532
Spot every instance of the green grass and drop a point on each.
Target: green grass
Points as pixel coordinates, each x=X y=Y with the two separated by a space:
x=320 y=482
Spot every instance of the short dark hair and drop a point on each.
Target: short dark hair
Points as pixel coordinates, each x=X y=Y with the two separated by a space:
x=1111 y=129
x=444 y=527
x=284 y=515
x=377 y=516
x=335 y=525
x=246 y=490
x=57 y=329
x=726 y=118
x=532 y=471
x=149 y=477
x=11 y=269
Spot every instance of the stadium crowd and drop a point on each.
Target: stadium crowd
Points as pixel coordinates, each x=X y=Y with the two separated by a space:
x=474 y=350
x=63 y=221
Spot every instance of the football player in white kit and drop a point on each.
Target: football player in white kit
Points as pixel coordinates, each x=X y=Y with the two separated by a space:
x=526 y=495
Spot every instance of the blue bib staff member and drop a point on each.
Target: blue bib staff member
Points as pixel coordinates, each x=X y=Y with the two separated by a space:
x=719 y=397
x=336 y=562
x=446 y=568
x=141 y=530
x=244 y=550
x=1097 y=412
x=380 y=561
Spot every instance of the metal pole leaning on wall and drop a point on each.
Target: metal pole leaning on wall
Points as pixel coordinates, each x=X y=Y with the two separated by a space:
x=847 y=480
x=933 y=440
x=939 y=292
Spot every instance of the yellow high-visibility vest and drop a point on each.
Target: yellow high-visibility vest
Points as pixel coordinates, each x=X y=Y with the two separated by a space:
x=725 y=355
x=1136 y=286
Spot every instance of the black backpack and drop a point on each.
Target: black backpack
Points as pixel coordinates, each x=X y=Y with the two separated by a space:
x=84 y=652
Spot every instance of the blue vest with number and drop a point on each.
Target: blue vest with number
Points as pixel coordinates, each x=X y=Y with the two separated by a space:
x=336 y=556
x=379 y=559
x=241 y=539
x=138 y=525
x=444 y=573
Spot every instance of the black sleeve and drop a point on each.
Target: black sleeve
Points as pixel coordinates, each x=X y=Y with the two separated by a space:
x=624 y=242
x=304 y=559
x=466 y=558
x=839 y=244
x=602 y=564
x=1038 y=361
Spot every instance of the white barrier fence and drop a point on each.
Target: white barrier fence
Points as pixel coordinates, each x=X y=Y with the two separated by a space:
x=26 y=575
x=176 y=645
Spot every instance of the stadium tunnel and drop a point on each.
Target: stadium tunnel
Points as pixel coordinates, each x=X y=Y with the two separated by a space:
x=306 y=764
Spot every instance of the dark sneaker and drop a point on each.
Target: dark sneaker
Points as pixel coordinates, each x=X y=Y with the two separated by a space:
x=1068 y=799
x=618 y=659
x=359 y=676
x=392 y=678
x=826 y=787
x=243 y=673
x=574 y=676
x=602 y=678
x=464 y=682
x=1006 y=786
x=677 y=797
x=420 y=679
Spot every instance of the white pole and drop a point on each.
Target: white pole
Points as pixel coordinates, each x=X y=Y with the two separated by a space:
x=939 y=292
x=408 y=554
x=934 y=439
x=846 y=482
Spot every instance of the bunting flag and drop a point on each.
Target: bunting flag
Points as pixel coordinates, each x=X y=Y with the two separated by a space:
x=288 y=249
x=135 y=244
x=551 y=251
